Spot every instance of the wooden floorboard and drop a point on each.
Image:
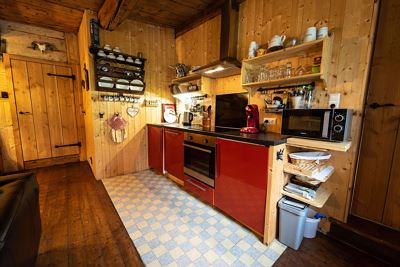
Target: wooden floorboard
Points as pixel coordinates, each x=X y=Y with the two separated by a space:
x=82 y=228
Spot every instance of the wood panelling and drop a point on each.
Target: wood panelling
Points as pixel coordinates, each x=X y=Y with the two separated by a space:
x=200 y=45
x=112 y=13
x=158 y=46
x=41 y=13
x=20 y=36
x=353 y=23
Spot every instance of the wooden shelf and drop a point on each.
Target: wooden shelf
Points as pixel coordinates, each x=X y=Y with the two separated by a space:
x=295 y=80
x=187 y=78
x=121 y=91
x=293 y=51
x=319 y=145
x=321 y=176
x=318 y=202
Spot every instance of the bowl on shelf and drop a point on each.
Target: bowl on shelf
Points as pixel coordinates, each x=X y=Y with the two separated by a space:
x=106 y=84
x=117 y=49
x=121 y=58
x=136 y=85
x=122 y=84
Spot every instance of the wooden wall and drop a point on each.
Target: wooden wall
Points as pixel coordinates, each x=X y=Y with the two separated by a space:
x=200 y=45
x=19 y=37
x=158 y=46
x=353 y=23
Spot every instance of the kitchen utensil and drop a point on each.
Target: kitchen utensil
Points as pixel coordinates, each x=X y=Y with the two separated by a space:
x=322 y=32
x=124 y=86
x=106 y=85
x=101 y=53
x=136 y=85
x=129 y=59
x=311 y=34
x=276 y=43
x=296 y=102
x=111 y=56
x=187 y=118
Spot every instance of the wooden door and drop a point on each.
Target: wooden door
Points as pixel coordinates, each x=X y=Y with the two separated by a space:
x=45 y=108
x=376 y=195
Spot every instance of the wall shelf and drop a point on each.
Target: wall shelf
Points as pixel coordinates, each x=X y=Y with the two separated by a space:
x=321 y=47
x=318 y=202
x=319 y=145
x=295 y=80
x=188 y=78
x=320 y=175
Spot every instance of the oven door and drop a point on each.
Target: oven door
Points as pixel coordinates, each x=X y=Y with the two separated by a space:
x=313 y=123
x=199 y=162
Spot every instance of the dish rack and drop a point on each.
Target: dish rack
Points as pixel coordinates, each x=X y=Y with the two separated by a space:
x=122 y=76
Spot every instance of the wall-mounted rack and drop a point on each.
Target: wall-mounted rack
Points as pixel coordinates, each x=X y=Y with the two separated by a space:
x=118 y=69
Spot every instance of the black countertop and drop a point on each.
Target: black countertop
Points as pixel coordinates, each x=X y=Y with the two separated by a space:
x=267 y=139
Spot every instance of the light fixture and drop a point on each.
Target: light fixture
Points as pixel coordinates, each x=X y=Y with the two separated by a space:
x=217 y=69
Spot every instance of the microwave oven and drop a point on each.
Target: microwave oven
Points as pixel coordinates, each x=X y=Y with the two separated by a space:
x=325 y=124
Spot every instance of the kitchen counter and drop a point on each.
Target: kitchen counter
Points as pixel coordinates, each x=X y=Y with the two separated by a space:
x=267 y=139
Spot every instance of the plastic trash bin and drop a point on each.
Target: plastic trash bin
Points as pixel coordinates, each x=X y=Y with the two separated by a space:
x=311 y=226
x=292 y=218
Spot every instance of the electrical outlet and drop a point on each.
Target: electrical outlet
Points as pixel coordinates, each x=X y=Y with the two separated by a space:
x=269 y=121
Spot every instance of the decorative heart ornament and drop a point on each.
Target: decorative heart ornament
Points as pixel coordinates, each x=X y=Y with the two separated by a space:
x=132 y=111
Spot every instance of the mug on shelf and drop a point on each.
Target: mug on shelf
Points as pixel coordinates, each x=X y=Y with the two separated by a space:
x=311 y=34
x=322 y=32
x=276 y=42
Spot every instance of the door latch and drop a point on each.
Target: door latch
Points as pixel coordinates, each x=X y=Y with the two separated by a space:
x=376 y=105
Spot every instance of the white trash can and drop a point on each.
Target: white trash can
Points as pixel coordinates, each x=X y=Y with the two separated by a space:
x=311 y=225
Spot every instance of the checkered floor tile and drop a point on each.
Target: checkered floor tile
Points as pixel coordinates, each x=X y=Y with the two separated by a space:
x=169 y=227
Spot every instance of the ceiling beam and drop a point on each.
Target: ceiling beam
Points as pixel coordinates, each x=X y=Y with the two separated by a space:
x=113 y=12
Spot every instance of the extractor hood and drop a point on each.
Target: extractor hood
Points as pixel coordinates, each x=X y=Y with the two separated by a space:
x=227 y=65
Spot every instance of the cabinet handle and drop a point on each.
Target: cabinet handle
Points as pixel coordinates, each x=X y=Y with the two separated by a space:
x=24 y=113
x=198 y=148
x=216 y=160
x=174 y=133
x=199 y=187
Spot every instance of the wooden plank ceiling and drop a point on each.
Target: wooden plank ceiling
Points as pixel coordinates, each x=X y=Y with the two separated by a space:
x=66 y=15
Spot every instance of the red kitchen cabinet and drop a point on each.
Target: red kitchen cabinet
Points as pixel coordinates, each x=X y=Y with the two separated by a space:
x=155 y=145
x=241 y=182
x=173 y=149
x=202 y=191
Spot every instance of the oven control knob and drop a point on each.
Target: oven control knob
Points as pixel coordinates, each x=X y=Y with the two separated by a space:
x=190 y=137
x=338 y=128
x=339 y=118
x=205 y=141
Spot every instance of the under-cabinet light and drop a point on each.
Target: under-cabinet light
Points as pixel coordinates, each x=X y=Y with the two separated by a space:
x=217 y=69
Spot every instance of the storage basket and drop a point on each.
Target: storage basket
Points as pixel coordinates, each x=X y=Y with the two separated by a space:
x=309 y=160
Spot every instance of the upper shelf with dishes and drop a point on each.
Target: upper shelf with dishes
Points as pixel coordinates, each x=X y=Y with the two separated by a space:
x=119 y=72
x=293 y=65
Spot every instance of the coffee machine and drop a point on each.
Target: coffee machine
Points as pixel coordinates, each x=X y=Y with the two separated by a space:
x=253 y=123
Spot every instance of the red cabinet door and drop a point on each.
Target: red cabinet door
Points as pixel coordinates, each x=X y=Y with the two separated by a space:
x=155 y=144
x=174 y=152
x=241 y=182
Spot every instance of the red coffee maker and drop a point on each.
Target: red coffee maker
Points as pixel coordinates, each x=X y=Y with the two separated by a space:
x=253 y=123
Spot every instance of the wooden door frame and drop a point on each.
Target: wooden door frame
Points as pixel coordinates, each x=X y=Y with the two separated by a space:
x=13 y=105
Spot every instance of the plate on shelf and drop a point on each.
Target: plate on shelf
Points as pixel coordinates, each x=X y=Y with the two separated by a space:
x=124 y=86
x=105 y=84
x=136 y=85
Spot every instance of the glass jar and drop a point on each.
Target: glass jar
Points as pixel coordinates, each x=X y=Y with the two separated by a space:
x=289 y=70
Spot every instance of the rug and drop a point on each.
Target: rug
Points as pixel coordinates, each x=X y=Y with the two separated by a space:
x=170 y=227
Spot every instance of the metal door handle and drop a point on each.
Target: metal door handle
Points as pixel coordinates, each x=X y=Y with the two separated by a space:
x=24 y=113
x=198 y=148
x=174 y=133
x=376 y=105
x=199 y=187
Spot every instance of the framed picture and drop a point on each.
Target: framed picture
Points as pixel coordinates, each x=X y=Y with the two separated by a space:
x=168 y=113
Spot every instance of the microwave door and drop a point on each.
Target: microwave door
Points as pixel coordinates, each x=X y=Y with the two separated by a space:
x=307 y=123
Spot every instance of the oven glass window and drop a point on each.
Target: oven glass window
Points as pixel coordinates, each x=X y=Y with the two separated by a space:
x=200 y=161
x=305 y=123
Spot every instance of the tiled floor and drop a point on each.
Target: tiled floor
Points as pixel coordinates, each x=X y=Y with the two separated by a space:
x=170 y=227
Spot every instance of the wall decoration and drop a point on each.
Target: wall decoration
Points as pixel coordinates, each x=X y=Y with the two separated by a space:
x=42 y=47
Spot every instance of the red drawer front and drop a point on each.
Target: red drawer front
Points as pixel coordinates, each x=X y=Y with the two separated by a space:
x=199 y=189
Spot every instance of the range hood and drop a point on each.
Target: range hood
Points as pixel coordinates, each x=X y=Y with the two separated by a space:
x=227 y=65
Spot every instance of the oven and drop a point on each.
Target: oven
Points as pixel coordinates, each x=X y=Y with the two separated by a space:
x=199 y=157
x=324 y=124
